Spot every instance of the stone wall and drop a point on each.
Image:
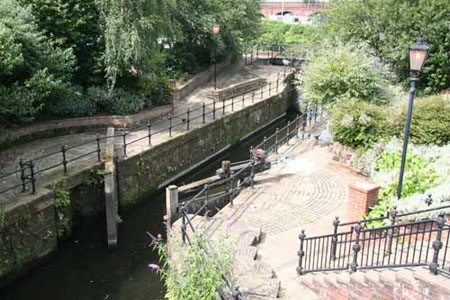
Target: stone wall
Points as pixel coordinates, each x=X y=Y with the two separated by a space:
x=143 y=173
x=27 y=235
x=199 y=79
x=238 y=88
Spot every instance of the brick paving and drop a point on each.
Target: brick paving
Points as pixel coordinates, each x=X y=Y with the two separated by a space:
x=305 y=189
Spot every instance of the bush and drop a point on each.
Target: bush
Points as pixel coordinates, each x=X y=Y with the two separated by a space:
x=430 y=122
x=359 y=124
x=156 y=91
x=72 y=103
x=342 y=72
x=122 y=102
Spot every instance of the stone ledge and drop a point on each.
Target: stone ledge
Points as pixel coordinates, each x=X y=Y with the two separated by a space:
x=238 y=88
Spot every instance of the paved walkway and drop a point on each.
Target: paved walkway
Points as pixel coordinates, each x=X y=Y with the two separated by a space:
x=9 y=159
x=304 y=190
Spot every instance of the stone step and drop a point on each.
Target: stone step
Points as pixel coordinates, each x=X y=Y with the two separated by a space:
x=245 y=254
x=256 y=286
x=254 y=268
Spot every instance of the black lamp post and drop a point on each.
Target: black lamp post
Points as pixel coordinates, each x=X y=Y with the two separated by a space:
x=216 y=31
x=417 y=56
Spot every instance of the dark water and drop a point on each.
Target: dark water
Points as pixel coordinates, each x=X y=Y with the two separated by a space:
x=84 y=269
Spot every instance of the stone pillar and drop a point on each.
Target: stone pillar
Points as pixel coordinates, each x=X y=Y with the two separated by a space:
x=171 y=204
x=175 y=95
x=362 y=196
x=111 y=201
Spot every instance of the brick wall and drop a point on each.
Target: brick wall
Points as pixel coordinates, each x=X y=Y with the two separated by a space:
x=362 y=196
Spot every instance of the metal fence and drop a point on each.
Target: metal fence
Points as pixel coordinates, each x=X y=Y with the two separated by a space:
x=25 y=177
x=234 y=183
x=420 y=243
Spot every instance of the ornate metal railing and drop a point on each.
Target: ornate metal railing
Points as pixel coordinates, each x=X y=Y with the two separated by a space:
x=421 y=243
x=26 y=176
x=234 y=183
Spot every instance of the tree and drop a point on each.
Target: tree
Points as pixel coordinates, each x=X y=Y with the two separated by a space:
x=401 y=20
x=32 y=67
x=131 y=30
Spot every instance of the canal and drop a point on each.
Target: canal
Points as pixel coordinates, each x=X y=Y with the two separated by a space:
x=84 y=269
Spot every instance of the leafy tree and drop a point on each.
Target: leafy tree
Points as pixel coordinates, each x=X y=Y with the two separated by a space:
x=76 y=24
x=32 y=66
x=401 y=20
x=131 y=31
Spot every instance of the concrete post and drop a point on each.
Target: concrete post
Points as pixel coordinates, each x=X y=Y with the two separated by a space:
x=111 y=203
x=176 y=93
x=171 y=204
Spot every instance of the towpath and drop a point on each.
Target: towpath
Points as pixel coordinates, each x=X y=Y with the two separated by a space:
x=49 y=149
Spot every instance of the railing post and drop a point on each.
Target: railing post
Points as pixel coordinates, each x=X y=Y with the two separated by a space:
x=356 y=248
x=262 y=91
x=264 y=143
x=149 y=131
x=99 y=155
x=170 y=125
x=22 y=175
x=183 y=222
x=301 y=253
x=203 y=111
x=437 y=245
x=277 y=132
x=243 y=99
x=305 y=120
x=390 y=233
x=253 y=96
x=124 y=136
x=188 y=116
x=252 y=170
x=270 y=88
x=231 y=189
x=214 y=108
x=236 y=294
x=278 y=81
x=287 y=132
x=64 y=161
x=33 y=180
x=223 y=107
x=334 y=239
x=206 y=198
x=232 y=101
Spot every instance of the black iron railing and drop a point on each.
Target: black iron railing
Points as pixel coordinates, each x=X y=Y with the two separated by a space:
x=421 y=243
x=26 y=176
x=190 y=210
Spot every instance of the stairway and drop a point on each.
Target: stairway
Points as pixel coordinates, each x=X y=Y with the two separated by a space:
x=386 y=284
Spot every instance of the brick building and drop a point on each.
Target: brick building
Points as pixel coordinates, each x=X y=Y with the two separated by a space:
x=293 y=11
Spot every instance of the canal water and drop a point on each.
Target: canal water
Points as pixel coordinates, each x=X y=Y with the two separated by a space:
x=84 y=269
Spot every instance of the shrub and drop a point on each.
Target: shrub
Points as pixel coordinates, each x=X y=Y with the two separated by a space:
x=359 y=124
x=156 y=91
x=72 y=103
x=342 y=72
x=122 y=102
x=430 y=122
x=196 y=271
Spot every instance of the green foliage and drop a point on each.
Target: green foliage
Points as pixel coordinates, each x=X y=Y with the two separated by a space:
x=76 y=24
x=62 y=206
x=358 y=124
x=430 y=123
x=193 y=273
x=419 y=177
x=402 y=20
x=341 y=72
x=121 y=102
x=273 y=32
x=72 y=103
x=156 y=91
x=32 y=66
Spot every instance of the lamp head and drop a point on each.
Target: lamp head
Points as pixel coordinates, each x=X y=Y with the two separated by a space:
x=418 y=53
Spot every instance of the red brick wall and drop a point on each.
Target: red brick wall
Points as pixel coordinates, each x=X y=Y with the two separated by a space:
x=362 y=195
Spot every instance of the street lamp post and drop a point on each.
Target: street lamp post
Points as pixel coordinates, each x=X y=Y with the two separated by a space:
x=418 y=53
x=216 y=31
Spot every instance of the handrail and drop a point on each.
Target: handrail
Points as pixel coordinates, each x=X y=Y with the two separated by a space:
x=419 y=243
x=192 y=114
